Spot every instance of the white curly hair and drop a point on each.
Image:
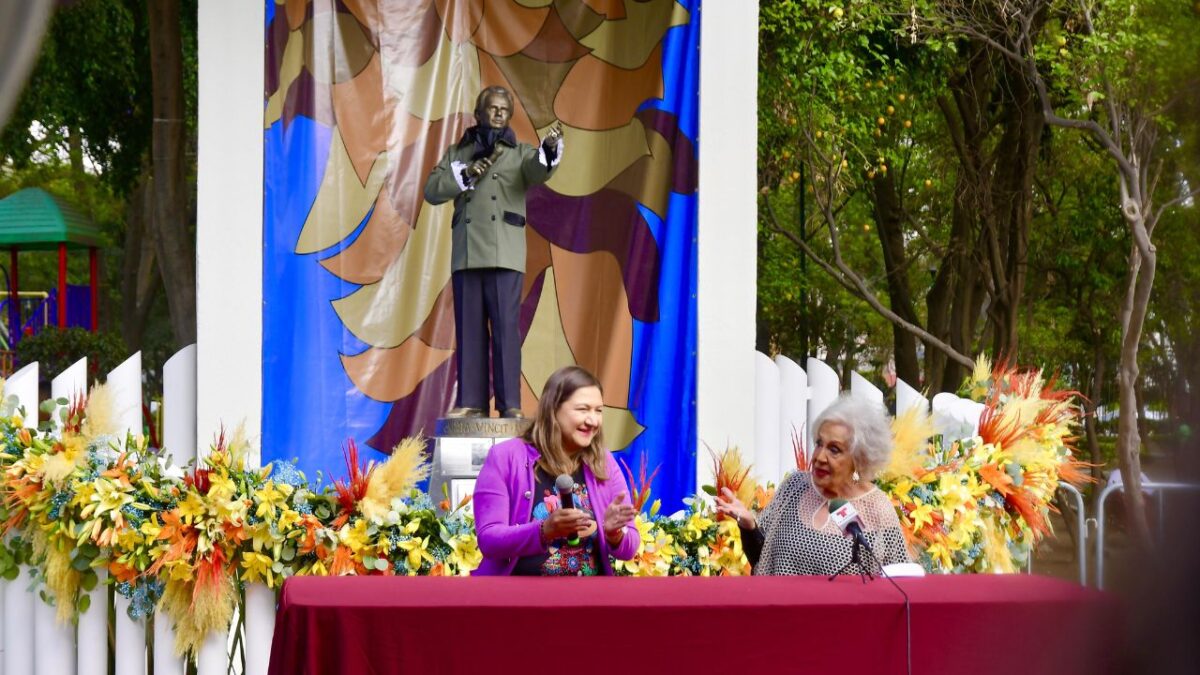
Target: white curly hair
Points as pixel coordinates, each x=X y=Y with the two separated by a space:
x=870 y=431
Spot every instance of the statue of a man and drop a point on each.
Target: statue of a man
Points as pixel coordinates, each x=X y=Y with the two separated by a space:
x=487 y=174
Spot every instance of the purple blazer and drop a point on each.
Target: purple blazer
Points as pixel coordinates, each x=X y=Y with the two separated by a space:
x=503 y=503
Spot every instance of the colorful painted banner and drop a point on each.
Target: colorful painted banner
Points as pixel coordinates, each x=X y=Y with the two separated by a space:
x=362 y=98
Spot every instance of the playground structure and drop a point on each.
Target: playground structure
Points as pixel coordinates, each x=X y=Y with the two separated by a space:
x=34 y=220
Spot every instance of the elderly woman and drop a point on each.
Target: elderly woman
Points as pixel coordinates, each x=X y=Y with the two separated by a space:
x=794 y=533
x=522 y=518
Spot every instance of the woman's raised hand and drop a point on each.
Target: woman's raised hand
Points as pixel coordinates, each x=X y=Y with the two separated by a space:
x=730 y=505
x=618 y=514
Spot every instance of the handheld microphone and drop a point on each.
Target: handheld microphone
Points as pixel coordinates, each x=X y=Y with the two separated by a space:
x=845 y=516
x=566 y=495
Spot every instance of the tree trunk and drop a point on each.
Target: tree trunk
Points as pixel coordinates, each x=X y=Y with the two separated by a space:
x=1090 y=425
x=139 y=277
x=174 y=239
x=1133 y=316
x=889 y=220
x=1011 y=207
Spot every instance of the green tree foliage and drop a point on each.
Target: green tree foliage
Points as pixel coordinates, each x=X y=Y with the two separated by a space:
x=1039 y=174
x=82 y=130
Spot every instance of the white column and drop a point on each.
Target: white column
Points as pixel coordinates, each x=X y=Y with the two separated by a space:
x=179 y=406
x=765 y=451
x=69 y=384
x=229 y=233
x=260 y=628
x=91 y=652
x=908 y=397
x=823 y=389
x=793 y=410
x=728 y=214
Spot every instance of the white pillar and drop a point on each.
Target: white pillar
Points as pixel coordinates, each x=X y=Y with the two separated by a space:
x=766 y=419
x=793 y=410
x=728 y=216
x=229 y=206
x=260 y=628
x=179 y=406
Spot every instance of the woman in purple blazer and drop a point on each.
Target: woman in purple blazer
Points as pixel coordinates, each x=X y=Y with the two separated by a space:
x=555 y=503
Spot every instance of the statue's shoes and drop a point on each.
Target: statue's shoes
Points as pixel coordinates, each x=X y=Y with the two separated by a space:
x=466 y=412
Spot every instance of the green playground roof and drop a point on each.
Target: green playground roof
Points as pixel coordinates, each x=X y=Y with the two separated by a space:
x=33 y=219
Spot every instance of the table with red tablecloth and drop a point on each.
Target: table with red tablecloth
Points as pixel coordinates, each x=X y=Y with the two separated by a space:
x=960 y=624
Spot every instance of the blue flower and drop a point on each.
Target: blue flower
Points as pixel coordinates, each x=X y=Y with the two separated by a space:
x=286 y=473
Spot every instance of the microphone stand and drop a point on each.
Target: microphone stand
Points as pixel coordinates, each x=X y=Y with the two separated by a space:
x=855 y=559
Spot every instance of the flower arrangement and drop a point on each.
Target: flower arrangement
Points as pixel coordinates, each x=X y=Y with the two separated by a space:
x=981 y=503
x=694 y=542
x=79 y=505
x=78 y=502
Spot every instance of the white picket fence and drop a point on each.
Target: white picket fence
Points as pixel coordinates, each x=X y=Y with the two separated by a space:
x=802 y=394
x=33 y=642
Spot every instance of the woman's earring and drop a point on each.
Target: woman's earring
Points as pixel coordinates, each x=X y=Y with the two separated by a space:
x=856 y=477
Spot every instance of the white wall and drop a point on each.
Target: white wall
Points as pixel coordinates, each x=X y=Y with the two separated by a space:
x=229 y=234
x=728 y=216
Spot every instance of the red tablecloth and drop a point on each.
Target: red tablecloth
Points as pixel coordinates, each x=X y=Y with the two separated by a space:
x=960 y=624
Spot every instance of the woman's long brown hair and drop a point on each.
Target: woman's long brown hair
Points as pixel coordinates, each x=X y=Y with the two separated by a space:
x=546 y=436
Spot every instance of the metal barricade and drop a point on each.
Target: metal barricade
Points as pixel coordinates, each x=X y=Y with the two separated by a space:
x=1161 y=488
x=1081 y=535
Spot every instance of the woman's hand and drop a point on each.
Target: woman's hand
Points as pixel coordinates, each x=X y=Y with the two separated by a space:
x=564 y=524
x=616 y=517
x=730 y=505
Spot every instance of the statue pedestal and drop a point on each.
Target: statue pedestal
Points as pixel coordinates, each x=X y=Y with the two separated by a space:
x=460 y=446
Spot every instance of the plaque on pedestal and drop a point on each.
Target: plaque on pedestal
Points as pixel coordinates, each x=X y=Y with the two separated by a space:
x=481 y=427
x=460 y=446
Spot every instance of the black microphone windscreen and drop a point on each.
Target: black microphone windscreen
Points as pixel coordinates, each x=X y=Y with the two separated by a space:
x=566 y=490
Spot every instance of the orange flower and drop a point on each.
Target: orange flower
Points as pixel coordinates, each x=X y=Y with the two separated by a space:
x=343 y=562
x=122 y=572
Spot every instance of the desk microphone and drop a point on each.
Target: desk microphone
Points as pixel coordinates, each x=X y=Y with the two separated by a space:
x=845 y=516
x=566 y=495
